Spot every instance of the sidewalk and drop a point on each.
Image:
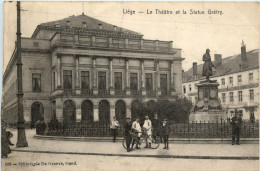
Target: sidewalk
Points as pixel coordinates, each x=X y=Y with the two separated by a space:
x=199 y=151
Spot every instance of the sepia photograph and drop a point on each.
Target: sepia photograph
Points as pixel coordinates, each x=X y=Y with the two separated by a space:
x=130 y=86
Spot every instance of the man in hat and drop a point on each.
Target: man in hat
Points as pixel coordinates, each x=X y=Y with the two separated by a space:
x=128 y=135
x=236 y=123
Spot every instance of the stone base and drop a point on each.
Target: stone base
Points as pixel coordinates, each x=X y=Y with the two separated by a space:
x=213 y=116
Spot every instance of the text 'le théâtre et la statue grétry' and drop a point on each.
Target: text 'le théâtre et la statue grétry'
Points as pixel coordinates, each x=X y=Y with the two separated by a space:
x=169 y=12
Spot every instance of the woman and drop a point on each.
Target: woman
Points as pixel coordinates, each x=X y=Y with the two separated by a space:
x=4 y=142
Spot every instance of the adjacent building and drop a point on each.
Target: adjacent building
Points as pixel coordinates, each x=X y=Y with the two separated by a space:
x=238 y=77
x=82 y=69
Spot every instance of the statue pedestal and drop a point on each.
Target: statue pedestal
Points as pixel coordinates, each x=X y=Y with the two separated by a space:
x=208 y=107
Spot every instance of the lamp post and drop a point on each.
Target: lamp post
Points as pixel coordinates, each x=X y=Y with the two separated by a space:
x=21 y=138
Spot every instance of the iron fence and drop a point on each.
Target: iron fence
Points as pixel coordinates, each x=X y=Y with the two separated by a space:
x=222 y=129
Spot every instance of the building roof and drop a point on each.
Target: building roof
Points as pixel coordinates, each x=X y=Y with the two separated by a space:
x=91 y=24
x=229 y=65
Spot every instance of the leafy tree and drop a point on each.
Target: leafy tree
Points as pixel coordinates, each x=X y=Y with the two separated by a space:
x=177 y=110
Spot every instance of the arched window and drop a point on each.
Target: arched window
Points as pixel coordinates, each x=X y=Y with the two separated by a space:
x=37 y=112
x=104 y=111
x=120 y=110
x=69 y=111
x=87 y=111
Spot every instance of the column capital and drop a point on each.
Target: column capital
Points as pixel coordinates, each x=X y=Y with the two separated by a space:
x=59 y=55
x=76 y=56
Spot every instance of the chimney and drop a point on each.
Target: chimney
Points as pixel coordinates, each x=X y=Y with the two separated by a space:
x=84 y=24
x=115 y=28
x=243 y=51
x=68 y=23
x=194 y=69
x=100 y=26
x=218 y=59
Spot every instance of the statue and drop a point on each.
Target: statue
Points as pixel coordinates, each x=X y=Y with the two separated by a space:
x=207 y=66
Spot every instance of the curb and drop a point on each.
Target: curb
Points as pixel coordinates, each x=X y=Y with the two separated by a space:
x=144 y=155
x=172 y=140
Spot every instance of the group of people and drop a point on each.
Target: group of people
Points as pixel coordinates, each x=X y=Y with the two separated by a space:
x=153 y=129
x=5 y=141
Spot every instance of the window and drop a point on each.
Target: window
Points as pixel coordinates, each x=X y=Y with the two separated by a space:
x=190 y=88
x=149 y=81
x=223 y=81
x=118 y=80
x=67 y=79
x=240 y=99
x=54 y=81
x=231 y=96
x=251 y=93
x=102 y=80
x=231 y=80
x=84 y=79
x=239 y=79
x=133 y=81
x=163 y=83
x=224 y=97
x=36 y=82
x=184 y=89
x=251 y=77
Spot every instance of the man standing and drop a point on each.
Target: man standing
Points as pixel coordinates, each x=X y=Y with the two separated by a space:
x=137 y=131
x=128 y=135
x=148 y=126
x=114 y=127
x=156 y=127
x=236 y=123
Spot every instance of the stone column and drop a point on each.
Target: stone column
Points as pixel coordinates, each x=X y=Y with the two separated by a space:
x=127 y=79
x=173 y=92
x=128 y=111
x=111 y=77
x=112 y=112
x=76 y=70
x=78 y=113
x=157 y=78
x=177 y=70
x=59 y=109
x=143 y=78
x=95 y=113
x=94 y=75
x=58 y=71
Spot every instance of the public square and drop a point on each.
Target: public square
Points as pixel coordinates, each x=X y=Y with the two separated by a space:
x=112 y=156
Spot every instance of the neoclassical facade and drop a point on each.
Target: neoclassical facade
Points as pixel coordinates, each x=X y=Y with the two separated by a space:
x=80 y=68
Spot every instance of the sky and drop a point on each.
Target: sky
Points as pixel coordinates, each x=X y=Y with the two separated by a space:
x=193 y=33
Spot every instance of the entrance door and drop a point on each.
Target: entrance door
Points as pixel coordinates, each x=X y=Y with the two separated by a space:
x=37 y=112
x=69 y=111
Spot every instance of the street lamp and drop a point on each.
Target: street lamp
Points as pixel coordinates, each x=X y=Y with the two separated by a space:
x=21 y=138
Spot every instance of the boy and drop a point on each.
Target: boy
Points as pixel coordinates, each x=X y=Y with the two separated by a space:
x=165 y=134
x=114 y=128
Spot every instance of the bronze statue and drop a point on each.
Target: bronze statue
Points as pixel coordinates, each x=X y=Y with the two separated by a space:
x=207 y=67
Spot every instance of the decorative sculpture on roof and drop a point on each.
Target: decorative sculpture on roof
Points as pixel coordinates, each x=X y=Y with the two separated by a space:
x=207 y=67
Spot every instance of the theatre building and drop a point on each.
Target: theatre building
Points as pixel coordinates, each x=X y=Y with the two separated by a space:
x=80 y=68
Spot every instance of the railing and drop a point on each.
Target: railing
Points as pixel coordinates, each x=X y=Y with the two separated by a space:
x=135 y=92
x=150 y=93
x=103 y=93
x=120 y=92
x=188 y=130
x=68 y=92
x=136 y=44
x=86 y=92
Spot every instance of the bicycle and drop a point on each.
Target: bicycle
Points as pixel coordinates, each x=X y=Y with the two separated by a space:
x=155 y=140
